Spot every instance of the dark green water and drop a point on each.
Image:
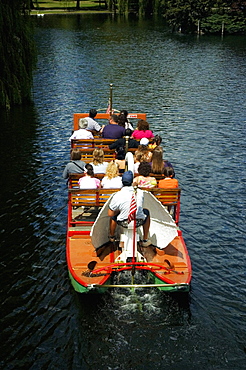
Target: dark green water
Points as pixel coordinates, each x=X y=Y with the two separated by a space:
x=193 y=91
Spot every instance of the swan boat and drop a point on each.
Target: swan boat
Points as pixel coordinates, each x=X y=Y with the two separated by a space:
x=96 y=264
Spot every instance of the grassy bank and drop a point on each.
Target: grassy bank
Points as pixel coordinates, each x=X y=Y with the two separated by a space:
x=58 y=6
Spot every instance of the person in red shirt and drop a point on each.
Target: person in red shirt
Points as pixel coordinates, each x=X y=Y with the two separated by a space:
x=168 y=181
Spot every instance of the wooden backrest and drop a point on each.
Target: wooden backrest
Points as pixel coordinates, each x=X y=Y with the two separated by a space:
x=109 y=154
x=74 y=178
x=90 y=197
x=158 y=176
x=91 y=143
x=87 y=155
x=168 y=197
x=103 y=116
x=98 y=197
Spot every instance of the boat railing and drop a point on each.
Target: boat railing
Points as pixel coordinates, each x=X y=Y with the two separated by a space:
x=170 y=198
x=103 y=116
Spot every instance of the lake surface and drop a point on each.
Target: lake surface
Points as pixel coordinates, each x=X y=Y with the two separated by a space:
x=193 y=90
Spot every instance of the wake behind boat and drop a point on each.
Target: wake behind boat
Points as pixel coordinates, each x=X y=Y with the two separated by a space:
x=95 y=263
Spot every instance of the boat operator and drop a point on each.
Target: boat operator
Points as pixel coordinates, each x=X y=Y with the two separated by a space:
x=120 y=205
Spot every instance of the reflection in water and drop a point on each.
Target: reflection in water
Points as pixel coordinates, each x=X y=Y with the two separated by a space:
x=193 y=92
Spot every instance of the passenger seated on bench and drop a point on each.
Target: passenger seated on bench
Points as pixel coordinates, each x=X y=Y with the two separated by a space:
x=144 y=180
x=142 y=130
x=112 y=180
x=120 y=160
x=113 y=130
x=82 y=133
x=143 y=154
x=88 y=181
x=132 y=143
x=98 y=163
x=155 y=141
x=92 y=124
x=124 y=121
x=168 y=181
x=75 y=165
x=119 y=208
x=157 y=162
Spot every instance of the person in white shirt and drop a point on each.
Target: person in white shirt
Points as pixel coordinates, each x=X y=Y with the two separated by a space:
x=119 y=208
x=82 y=133
x=112 y=180
x=92 y=124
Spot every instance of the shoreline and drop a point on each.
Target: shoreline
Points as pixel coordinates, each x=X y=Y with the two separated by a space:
x=66 y=12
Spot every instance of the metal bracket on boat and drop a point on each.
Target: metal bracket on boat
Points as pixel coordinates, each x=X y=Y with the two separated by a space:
x=178 y=285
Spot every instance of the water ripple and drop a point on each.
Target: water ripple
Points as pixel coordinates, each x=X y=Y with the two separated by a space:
x=193 y=92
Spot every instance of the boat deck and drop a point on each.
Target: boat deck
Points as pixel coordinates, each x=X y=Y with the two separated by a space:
x=169 y=265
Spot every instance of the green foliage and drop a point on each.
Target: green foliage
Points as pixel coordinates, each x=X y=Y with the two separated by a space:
x=17 y=53
x=183 y=15
x=232 y=24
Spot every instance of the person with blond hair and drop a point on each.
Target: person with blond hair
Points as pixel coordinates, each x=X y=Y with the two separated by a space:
x=112 y=180
x=98 y=163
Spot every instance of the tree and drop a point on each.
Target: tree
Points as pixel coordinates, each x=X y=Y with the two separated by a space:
x=229 y=16
x=183 y=15
x=17 y=52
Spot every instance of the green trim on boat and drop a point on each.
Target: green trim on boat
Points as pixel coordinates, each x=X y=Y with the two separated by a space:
x=181 y=288
x=82 y=289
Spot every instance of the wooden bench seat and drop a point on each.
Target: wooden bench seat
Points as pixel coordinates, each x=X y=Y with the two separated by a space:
x=90 y=197
x=74 y=178
x=87 y=154
x=91 y=143
x=98 y=197
x=109 y=154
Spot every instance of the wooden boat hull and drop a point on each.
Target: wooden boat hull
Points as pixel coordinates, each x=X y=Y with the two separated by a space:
x=168 y=270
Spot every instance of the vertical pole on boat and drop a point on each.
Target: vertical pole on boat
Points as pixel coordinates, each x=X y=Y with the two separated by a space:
x=134 y=246
x=127 y=144
x=111 y=99
x=134 y=238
